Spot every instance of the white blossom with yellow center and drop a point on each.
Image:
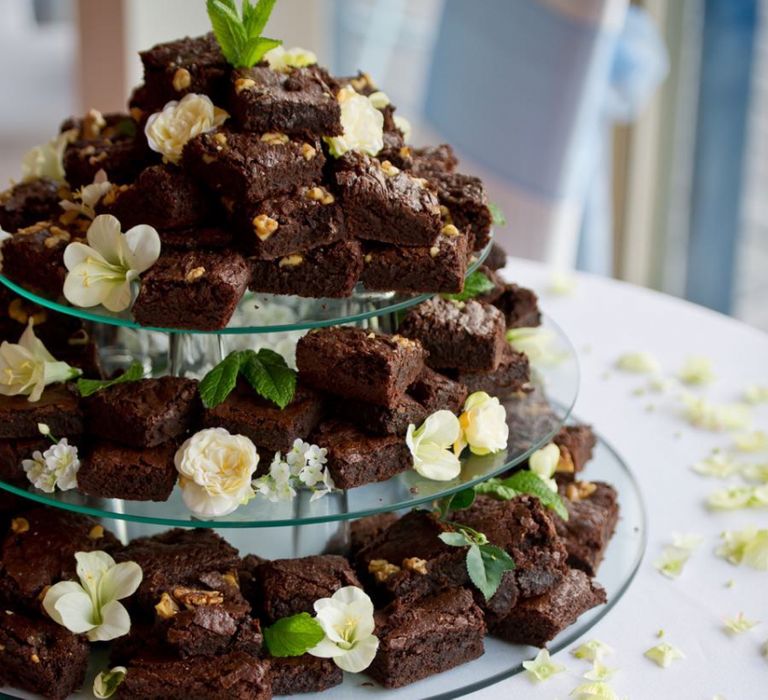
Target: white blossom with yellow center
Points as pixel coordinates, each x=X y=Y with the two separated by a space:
x=282 y=60
x=362 y=125
x=430 y=446
x=483 y=425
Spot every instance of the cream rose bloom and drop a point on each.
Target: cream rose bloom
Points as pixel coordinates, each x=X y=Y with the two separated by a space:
x=216 y=469
x=483 y=425
x=168 y=131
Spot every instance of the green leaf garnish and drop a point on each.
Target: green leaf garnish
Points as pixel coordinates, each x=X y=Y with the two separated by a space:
x=87 y=387
x=266 y=371
x=475 y=285
x=524 y=482
x=239 y=34
x=293 y=636
x=457 y=501
x=497 y=215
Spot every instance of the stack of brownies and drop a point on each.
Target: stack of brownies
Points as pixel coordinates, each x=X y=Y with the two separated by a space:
x=258 y=202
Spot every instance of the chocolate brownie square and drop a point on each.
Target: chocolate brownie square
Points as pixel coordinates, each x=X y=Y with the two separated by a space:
x=328 y=272
x=235 y=676
x=576 y=443
x=176 y=558
x=431 y=160
x=418 y=639
x=303 y=674
x=110 y=470
x=176 y=68
x=196 y=238
x=359 y=364
x=58 y=408
x=381 y=420
x=291 y=586
x=538 y=620
x=249 y=167
x=12 y=452
x=593 y=512
x=383 y=203
x=162 y=196
x=193 y=289
x=39 y=550
x=41 y=657
x=305 y=219
x=497 y=257
x=526 y=531
x=520 y=307
x=440 y=267
x=144 y=413
x=29 y=202
x=435 y=391
x=512 y=376
x=365 y=530
x=244 y=412
x=114 y=143
x=300 y=102
x=460 y=335
x=34 y=258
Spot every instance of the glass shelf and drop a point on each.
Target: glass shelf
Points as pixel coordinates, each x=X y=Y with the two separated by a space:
x=265 y=313
x=501 y=659
x=533 y=420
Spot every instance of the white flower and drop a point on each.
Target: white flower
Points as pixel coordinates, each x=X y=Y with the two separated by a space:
x=697 y=370
x=91 y=607
x=47 y=160
x=664 y=654
x=27 y=367
x=89 y=196
x=304 y=464
x=362 y=125
x=405 y=127
x=313 y=471
x=544 y=463
x=542 y=667
x=483 y=425
x=327 y=485
x=702 y=413
x=57 y=466
x=105 y=683
x=749 y=546
x=102 y=271
x=639 y=363
x=431 y=444
x=537 y=344
x=283 y=60
x=168 y=131
x=347 y=620
x=216 y=469
x=593 y=650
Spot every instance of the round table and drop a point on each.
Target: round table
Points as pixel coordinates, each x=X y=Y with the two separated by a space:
x=606 y=318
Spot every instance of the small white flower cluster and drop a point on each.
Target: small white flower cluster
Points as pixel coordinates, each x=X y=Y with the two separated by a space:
x=303 y=466
x=57 y=466
x=89 y=196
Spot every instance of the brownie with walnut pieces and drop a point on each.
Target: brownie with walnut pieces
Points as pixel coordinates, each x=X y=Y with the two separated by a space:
x=497 y=257
x=112 y=142
x=40 y=656
x=31 y=201
x=420 y=638
x=195 y=289
x=290 y=586
x=58 y=408
x=328 y=272
x=458 y=335
x=356 y=458
x=303 y=674
x=244 y=412
x=39 y=550
x=162 y=196
x=464 y=197
x=512 y=376
x=359 y=364
x=300 y=101
x=307 y=218
x=364 y=530
x=33 y=257
x=144 y=413
x=109 y=470
x=538 y=620
x=576 y=443
x=197 y=238
x=249 y=167
x=440 y=267
x=385 y=204
x=235 y=676
x=520 y=307
x=431 y=160
x=176 y=68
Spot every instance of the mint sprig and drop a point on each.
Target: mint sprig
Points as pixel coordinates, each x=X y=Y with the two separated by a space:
x=475 y=285
x=88 y=387
x=524 y=482
x=497 y=215
x=293 y=636
x=266 y=371
x=239 y=33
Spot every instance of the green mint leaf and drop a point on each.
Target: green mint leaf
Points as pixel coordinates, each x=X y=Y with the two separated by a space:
x=227 y=28
x=455 y=539
x=255 y=49
x=497 y=215
x=496 y=488
x=527 y=482
x=486 y=565
x=215 y=386
x=268 y=373
x=87 y=387
x=293 y=636
x=256 y=18
x=475 y=285
x=239 y=33
x=457 y=501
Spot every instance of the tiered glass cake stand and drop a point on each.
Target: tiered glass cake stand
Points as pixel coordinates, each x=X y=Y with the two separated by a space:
x=300 y=527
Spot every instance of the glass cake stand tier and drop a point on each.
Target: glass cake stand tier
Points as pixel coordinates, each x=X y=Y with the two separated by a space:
x=534 y=418
x=501 y=660
x=264 y=313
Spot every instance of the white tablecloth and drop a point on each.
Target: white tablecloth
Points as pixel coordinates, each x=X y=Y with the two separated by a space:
x=604 y=319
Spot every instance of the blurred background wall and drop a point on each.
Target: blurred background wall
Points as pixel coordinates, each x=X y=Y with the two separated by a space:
x=628 y=139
